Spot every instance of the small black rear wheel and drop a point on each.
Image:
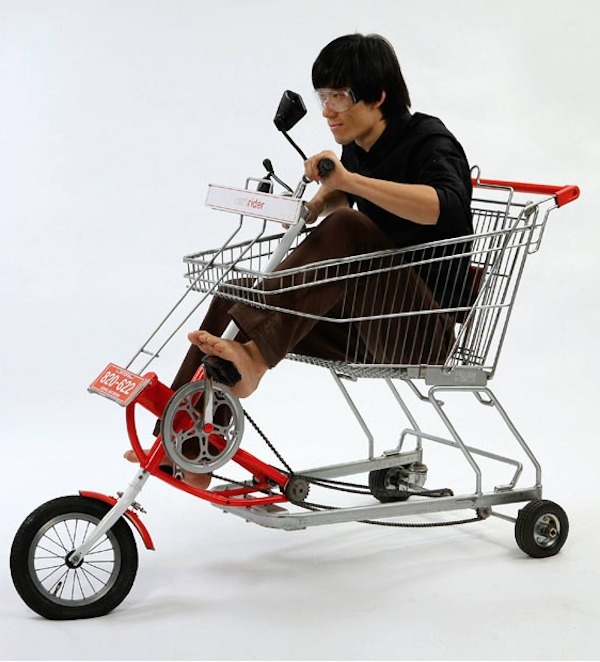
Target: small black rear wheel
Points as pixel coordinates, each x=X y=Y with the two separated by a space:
x=542 y=528
x=40 y=563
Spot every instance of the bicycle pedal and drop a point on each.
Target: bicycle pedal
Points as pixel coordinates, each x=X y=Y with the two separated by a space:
x=221 y=370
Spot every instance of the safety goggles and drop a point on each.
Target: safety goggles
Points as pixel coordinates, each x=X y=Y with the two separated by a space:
x=336 y=100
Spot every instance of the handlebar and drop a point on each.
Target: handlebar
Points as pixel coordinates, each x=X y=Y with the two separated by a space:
x=562 y=194
x=325 y=166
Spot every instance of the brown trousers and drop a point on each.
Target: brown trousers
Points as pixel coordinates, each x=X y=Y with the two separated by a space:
x=401 y=340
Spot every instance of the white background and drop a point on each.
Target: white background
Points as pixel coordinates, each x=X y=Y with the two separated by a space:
x=115 y=116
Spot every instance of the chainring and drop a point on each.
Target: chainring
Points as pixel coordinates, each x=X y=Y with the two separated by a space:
x=194 y=441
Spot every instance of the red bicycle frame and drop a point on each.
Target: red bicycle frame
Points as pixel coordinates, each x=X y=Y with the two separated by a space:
x=154 y=398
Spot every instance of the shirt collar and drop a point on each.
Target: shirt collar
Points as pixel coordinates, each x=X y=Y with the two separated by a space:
x=387 y=140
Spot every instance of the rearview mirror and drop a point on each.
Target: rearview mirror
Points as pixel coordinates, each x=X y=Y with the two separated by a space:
x=290 y=111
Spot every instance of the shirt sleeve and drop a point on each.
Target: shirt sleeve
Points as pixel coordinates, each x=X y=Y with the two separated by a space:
x=441 y=163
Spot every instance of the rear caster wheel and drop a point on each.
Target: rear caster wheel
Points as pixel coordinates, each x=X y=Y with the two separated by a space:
x=542 y=528
x=46 y=579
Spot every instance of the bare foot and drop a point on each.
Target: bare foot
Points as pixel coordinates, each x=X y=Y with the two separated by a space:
x=246 y=357
x=199 y=481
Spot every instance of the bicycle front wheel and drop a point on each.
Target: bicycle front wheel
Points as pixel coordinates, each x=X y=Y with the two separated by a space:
x=45 y=578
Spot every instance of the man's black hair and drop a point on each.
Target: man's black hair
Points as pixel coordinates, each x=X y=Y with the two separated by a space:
x=368 y=65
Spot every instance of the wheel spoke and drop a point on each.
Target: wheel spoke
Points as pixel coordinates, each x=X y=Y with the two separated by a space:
x=59 y=583
x=77 y=585
x=86 y=573
x=104 y=540
x=59 y=542
x=72 y=538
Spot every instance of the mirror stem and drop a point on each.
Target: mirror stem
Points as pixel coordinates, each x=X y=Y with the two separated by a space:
x=302 y=154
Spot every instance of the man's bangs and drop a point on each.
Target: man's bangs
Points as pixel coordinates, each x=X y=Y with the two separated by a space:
x=332 y=82
x=336 y=75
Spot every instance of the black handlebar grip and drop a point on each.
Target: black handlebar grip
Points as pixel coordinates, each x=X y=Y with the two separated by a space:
x=325 y=166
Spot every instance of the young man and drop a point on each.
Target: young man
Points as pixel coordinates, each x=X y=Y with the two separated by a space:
x=408 y=177
x=409 y=180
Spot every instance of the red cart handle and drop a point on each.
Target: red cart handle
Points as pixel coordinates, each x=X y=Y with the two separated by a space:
x=563 y=194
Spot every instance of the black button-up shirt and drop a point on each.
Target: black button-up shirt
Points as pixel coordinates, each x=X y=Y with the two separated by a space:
x=416 y=149
x=419 y=149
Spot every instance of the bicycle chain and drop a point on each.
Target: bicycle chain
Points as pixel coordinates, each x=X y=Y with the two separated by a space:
x=265 y=439
x=352 y=488
x=407 y=525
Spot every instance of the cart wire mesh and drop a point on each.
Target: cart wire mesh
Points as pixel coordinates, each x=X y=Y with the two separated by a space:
x=392 y=328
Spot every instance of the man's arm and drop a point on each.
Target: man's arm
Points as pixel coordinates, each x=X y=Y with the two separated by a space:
x=415 y=202
x=324 y=202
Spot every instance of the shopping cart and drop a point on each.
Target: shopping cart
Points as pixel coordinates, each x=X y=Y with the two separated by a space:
x=76 y=556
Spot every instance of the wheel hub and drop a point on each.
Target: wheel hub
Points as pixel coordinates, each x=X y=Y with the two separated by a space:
x=547 y=530
x=73 y=562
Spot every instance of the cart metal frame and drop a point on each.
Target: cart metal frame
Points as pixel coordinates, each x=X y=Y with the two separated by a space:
x=508 y=229
x=510 y=220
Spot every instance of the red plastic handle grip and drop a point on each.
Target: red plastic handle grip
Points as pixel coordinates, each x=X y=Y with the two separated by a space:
x=563 y=194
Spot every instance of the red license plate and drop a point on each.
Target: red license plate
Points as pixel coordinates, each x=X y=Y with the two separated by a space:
x=118 y=384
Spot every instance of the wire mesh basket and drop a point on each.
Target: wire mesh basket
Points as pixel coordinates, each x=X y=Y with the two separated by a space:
x=390 y=326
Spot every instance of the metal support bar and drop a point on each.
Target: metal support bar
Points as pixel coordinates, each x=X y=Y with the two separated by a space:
x=507 y=518
x=492 y=400
x=437 y=405
x=359 y=418
x=362 y=466
x=302 y=520
x=474 y=451
x=406 y=411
